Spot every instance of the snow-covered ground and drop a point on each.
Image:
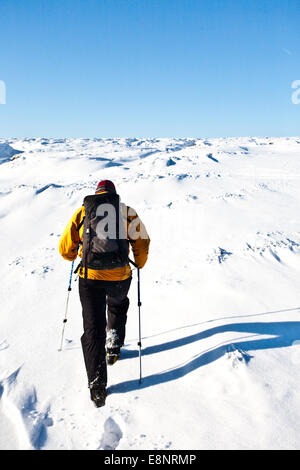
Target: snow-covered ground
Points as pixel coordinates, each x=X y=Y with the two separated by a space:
x=220 y=293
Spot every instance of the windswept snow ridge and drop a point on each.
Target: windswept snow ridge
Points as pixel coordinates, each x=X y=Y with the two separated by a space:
x=7 y=152
x=220 y=295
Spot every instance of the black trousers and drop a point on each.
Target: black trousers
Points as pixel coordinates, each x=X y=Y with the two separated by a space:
x=95 y=296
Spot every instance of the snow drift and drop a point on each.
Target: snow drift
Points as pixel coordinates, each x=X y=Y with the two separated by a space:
x=7 y=152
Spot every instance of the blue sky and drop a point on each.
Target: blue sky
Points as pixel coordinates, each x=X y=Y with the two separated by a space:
x=149 y=68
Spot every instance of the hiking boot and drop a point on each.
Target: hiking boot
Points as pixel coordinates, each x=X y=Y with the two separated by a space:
x=112 y=355
x=98 y=395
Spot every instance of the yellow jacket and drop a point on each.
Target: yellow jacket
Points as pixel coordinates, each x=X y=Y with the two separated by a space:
x=68 y=246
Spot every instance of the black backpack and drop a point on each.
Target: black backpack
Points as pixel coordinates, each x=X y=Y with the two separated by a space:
x=104 y=242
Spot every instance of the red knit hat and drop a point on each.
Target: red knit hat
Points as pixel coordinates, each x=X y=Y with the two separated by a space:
x=105 y=185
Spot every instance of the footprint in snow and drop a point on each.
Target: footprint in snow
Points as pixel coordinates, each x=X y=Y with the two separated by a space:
x=111 y=436
x=170 y=162
x=237 y=356
x=3 y=345
x=20 y=406
x=220 y=255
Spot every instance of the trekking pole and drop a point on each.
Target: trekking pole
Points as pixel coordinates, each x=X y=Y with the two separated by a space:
x=140 y=335
x=67 y=304
x=139 y=306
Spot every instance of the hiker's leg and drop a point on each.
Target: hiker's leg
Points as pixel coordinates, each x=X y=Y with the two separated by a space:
x=93 y=301
x=117 y=307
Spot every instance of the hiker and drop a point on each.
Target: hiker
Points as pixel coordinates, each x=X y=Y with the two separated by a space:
x=101 y=233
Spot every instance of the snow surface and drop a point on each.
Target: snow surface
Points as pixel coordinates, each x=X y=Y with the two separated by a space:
x=220 y=293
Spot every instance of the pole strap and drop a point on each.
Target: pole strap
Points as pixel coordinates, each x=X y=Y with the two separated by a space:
x=133 y=263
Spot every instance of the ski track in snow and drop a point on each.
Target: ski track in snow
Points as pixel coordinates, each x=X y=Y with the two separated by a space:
x=220 y=295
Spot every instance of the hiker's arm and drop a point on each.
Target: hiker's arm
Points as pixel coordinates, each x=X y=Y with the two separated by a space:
x=69 y=241
x=138 y=238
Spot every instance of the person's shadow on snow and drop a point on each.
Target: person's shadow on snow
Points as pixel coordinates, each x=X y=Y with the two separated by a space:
x=283 y=334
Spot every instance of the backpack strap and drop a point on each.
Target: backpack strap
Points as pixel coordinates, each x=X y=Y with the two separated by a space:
x=79 y=266
x=81 y=224
x=85 y=247
x=78 y=245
